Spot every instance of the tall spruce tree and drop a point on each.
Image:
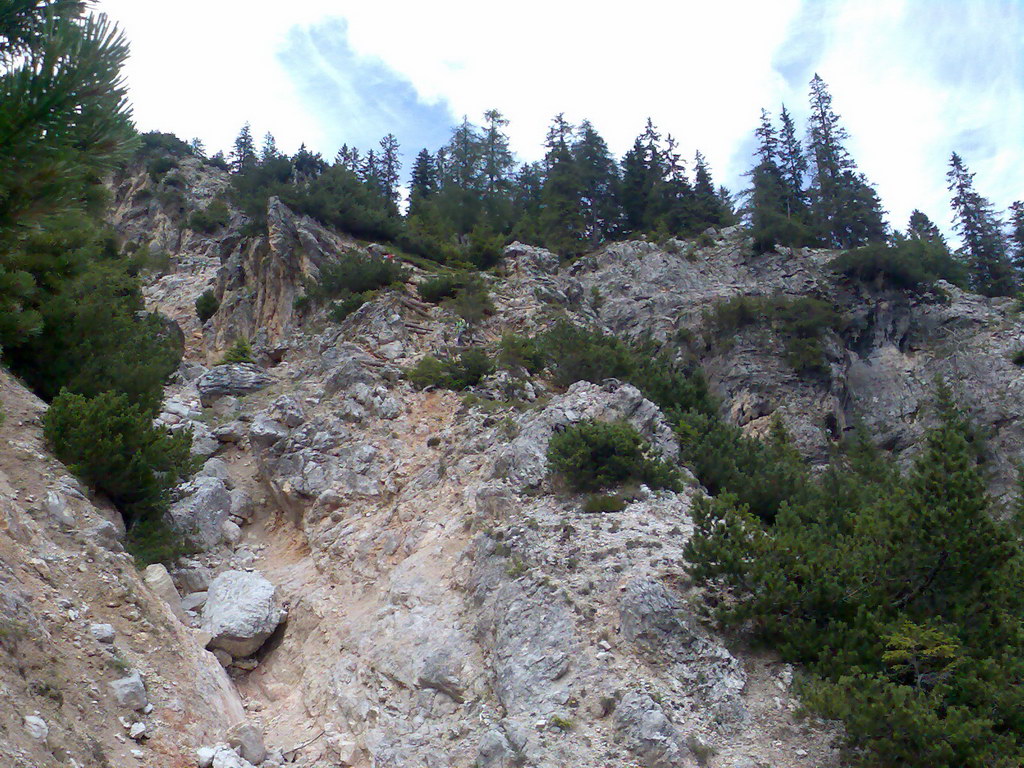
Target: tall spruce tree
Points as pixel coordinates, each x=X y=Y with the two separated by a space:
x=269 y=150
x=243 y=153
x=598 y=184
x=562 y=223
x=423 y=182
x=390 y=167
x=793 y=165
x=991 y=272
x=1016 y=238
x=847 y=212
x=920 y=227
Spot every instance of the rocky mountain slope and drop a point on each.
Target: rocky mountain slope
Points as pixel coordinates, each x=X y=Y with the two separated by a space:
x=387 y=576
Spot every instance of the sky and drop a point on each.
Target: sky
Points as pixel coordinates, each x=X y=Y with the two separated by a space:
x=912 y=80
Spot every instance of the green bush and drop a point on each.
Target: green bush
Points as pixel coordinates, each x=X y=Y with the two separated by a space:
x=604 y=502
x=356 y=273
x=442 y=286
x=342 y=308
x=451 y=373
x=239 y=352
x=159 y=167
x=909 y=265
x=803 y=322
x=472 y=302
x=516 y=351
x=1018 y=357
x=206 y=305
x=211 y=218
x=900 y=594
x=593 y=455
x=114 y=448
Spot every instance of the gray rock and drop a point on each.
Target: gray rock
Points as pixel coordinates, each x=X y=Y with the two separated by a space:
x=194 y=601
x=106 y=535
x=130 y=692
x=649 y=734
x=216 y=468
x=265 y=431
x=232 y=432
x=230 y=532
x=102 y=633
x=159 y=580
x=231 y=379
x=241 y=612
x=200 y=514
x=56 y=507
x=241 y=504
x=36 y=728
x=137 y=732
x=247 y=740
x=287 y=410
x=203 y=441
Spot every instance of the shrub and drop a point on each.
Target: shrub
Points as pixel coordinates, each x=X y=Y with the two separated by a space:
x=239 y=352
x=604 y=502
x=1018 y=357
x=211 y=218
x=515 y=351
x=451 y=373
x=908 y=265
x=113 y=447
x=900 y=594
x=207 y=305
x=593 y=455
x=341 y=309
x=472 y=302
x=802 y=321
x=356 y=273
x=159 y=167
x=436 y=288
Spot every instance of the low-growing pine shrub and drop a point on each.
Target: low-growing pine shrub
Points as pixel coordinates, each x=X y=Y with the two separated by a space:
x=211 y=218
x=604 y=502
x=113 y=447
x=593 y=455
x=206 y=305
x=239 y=352
x=455 y=373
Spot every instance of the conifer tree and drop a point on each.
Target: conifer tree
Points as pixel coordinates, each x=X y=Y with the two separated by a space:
x=197 y=147
x=269 y=150
x=496 y=161
x=390 y=167
x=920 y=227
x=561 y=219
x=846 y=209
x=709 y=208
x=598 y=184
x=793 y=165
x=423 y=183
x=243 y=154
x=1016 y=239
x=973 y=219
x=64 y=122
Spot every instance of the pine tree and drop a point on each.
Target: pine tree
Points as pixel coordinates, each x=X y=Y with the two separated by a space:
x=598 y=184
x=496 y=161
x=197 y=147
x=920 y=227
x=390 y=167
x=793 y=164
x=243 y=155
x=973 y=219
x=269 y=150
x=423 y=183
x=846 y=209
x=1016 y=239
x=348 y=157
x=562 y=222
x=709 y=208
x=64 y=122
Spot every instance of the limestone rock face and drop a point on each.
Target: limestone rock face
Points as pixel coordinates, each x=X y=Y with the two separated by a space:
x=231 y=379
x=203 y=510
x=241 y=612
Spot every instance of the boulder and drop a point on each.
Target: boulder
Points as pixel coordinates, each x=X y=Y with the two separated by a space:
x=246 y=739
x=649 y=734
x=159 y=580
x=231 y=379
x=202 y=511
x=36 y=728
x=105 y=535
x=241 y=612
x=102 y=633
x=130 y=692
